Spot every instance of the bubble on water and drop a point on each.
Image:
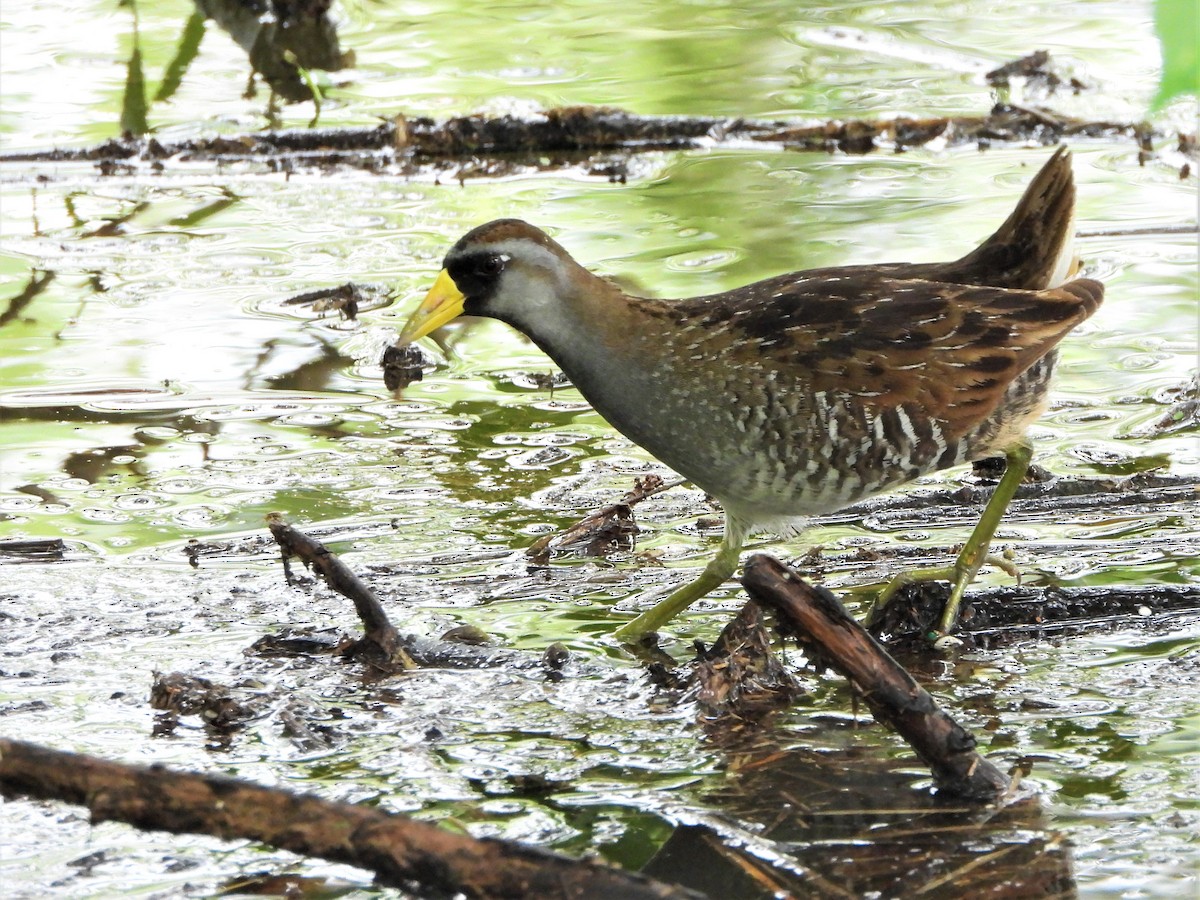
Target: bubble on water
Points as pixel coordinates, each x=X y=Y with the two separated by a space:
x=100 y=514
x=137 y=502
x=19 y=503
x=200 y=516
x=310 y=419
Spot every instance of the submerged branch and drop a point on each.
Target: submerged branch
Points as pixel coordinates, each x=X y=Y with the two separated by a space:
x=382 y=646
x=39 y=280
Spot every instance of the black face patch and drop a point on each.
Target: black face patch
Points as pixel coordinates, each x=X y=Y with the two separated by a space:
x=477 y=274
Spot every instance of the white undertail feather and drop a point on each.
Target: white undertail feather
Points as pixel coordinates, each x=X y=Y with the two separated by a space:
x=1067 y=264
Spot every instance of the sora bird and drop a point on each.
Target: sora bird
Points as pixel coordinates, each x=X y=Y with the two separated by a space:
x=805 y=392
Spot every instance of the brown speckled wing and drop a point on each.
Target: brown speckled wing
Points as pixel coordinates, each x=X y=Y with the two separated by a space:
x=949 y=350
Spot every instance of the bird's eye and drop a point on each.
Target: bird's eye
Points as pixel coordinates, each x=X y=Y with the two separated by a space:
x=490 y=266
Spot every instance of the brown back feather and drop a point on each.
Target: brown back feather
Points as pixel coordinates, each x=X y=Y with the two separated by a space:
x=950 y=350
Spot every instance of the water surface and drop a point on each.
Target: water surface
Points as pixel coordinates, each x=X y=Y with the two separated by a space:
x=159 y=392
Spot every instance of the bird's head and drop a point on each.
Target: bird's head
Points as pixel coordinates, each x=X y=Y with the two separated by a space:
x=506 y=270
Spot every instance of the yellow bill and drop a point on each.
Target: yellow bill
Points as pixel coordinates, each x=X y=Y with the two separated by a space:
x=442 y=304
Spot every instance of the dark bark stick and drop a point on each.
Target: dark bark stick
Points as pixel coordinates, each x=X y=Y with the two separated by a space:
x=381 y=642
x=821 y=622
x=382 y=646
x=400 y=851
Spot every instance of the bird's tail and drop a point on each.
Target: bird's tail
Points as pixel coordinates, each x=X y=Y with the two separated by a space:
x=1034 y=248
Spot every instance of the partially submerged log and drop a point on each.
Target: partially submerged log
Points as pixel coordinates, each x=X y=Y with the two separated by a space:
x=597 y=137
x=37 y=550
x=402 y=852
x=832 y=636
x=1001 y=615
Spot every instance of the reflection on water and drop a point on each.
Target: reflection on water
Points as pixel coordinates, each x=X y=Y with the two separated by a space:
x=160 y=390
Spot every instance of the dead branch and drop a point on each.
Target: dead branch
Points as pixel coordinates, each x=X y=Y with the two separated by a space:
x=608 y=528
x=400 y=851
x=823 y=627
x=380 y=644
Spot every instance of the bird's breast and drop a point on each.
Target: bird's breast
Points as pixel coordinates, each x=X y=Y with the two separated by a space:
x=756 y=437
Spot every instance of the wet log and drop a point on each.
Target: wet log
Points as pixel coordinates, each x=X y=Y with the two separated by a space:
x=37 y=550
x=824 y=627
x=402 y=852
x=996 y=616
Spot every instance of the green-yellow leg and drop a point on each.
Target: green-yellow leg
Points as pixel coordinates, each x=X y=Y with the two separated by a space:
x=974 y=552
x=713 y=576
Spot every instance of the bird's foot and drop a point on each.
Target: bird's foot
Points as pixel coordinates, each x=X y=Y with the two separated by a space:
x=960 y=575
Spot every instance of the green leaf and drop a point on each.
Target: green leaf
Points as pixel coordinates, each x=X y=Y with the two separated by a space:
x=189 y=48
x=133 y=103
x=1178 y=25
